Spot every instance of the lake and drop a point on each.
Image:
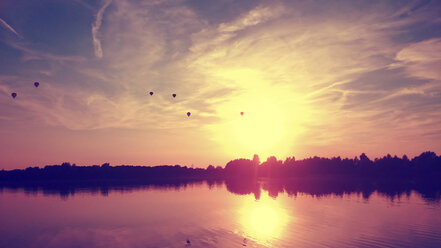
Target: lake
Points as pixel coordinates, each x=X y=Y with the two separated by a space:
x=211 y=215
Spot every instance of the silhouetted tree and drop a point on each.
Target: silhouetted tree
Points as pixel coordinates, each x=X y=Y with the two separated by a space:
x=256 y=160
x=241 y=168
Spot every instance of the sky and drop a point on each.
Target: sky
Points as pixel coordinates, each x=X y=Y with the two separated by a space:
x=312 y=78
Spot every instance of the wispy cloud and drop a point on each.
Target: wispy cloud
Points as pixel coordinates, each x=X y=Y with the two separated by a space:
x=96 y=27
x=85 y=4
x=32 y=54
x=420 y=59
x=8 y=27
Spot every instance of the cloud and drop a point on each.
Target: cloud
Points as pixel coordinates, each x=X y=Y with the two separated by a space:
x=144 y=56
x=32 y=54
x=95 y=28
x=260 y=14
x=85 y=4
x=8 y=27
x=164 y=47
x=420 y=59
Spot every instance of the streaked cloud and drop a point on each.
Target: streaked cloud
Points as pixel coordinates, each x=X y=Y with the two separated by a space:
x=8 y=27
x=96 y=27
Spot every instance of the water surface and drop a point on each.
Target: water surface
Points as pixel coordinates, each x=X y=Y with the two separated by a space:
x=212 y=216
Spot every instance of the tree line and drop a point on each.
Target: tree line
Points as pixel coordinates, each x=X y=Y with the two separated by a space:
x=423 y=168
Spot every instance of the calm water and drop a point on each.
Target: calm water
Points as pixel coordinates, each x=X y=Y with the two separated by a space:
x=214 y=217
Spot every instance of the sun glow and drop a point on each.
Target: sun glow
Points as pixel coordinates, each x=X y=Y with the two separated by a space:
x=264 y=219
x=272 y=116
x=260 y=128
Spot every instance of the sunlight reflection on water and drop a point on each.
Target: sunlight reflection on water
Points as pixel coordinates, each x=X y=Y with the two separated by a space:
x=263 y=220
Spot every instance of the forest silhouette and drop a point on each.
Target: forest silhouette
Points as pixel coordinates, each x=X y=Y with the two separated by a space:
x=389 y=175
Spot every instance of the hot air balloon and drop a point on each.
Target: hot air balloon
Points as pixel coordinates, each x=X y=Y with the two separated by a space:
x=174 y=95
x=14 y=95
x=188 y=114
x=151 y=93
x=241 y=113
x=36 y=84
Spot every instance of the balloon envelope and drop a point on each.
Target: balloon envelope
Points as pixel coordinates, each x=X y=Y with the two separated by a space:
x=14 y=95
x=241 y=113
x=174 y=95
x=151 y=93
x=36 y=84
x=188 y=114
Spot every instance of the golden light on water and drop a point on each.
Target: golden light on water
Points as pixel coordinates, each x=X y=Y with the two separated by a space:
x=264 y=220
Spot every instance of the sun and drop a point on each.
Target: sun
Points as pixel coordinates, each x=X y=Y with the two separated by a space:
x=271 y=120
x=261 y=127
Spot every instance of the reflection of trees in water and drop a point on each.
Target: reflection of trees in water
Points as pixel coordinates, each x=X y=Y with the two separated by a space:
x=312 y=186
x=390 y=176
x=331 y=186
x=65 y=190
x=243 y=187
